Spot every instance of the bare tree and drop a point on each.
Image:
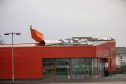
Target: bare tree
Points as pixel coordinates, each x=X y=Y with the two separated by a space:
x=1 y=40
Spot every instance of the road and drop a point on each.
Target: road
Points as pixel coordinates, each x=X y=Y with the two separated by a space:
x=115 y=79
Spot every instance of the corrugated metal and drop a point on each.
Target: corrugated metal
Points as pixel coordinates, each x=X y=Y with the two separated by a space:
x=36 y=35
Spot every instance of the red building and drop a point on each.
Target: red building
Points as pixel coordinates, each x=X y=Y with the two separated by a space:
x=72 y=61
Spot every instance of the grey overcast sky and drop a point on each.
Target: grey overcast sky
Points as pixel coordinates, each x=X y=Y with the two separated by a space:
x=63 y=18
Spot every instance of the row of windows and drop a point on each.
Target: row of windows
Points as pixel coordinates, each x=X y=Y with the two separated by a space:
x=75 y=67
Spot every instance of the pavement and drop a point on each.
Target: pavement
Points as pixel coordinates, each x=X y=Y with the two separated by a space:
x=114 y=79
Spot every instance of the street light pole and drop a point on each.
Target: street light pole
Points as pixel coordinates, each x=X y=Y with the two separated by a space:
x=12 y=53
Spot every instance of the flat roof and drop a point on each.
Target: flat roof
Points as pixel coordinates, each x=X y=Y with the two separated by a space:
x=89 y=43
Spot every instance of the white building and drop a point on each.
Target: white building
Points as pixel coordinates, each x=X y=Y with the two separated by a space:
x=120 y=57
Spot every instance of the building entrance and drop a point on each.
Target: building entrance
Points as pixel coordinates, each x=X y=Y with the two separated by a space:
x=58 y=68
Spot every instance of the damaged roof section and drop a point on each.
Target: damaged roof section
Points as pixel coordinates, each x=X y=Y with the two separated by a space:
x=39 y=37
